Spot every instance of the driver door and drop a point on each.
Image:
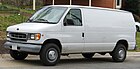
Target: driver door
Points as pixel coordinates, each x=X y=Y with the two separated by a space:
x=73 y=30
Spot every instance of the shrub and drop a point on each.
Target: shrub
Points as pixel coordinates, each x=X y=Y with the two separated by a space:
x=6 y=21
x=132 y=6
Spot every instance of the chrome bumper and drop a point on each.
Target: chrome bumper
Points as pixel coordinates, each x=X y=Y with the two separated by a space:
x=33 y=48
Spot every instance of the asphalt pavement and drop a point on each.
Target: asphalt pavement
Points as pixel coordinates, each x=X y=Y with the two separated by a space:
x=74 y=61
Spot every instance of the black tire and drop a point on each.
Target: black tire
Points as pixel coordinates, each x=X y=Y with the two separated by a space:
x=137 y=28
x=88 y=55
x=50 y=54
x=119 y=53
x=18 y=55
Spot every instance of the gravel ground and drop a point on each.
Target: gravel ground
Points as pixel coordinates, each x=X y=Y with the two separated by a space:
x=2 y=49
x=73 y=61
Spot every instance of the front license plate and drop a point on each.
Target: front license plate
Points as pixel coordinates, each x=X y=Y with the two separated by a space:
x=14 y=47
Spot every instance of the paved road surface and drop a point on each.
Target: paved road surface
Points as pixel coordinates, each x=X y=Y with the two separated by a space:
x=73 y=62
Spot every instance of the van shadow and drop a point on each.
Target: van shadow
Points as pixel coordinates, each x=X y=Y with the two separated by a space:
x=85 y=61
x=37 y=62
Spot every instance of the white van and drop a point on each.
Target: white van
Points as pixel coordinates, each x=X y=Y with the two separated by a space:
x=63 y=29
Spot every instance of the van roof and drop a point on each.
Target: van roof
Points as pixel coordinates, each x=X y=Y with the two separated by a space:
x=88 y=7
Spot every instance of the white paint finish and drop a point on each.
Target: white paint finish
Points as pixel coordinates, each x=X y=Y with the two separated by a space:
x=103 y=28
x=47 y=30
x=72 y=38
x=72 y=47
x=107 y=27
x=77 y=6
x=98 y=47
x=34 y=27
x=137 y=24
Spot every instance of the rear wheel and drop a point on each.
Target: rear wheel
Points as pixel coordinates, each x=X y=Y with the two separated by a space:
x=88 y=55
x=18 y=55
x=119 y=53
x=50 y=54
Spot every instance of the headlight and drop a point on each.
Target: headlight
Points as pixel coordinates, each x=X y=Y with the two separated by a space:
x=35 y=36
x=32 y=36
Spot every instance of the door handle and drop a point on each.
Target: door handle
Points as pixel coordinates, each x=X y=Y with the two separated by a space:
x=83 y=35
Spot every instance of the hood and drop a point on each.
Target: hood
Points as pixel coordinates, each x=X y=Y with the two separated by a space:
x=33 y=27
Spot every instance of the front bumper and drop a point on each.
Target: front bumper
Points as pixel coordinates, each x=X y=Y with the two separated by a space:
x=33 y=48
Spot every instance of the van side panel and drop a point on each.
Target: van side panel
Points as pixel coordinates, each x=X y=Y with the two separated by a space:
x=104 y=28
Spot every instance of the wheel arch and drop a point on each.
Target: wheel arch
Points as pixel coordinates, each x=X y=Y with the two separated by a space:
x=124 y=42
x=56 y=41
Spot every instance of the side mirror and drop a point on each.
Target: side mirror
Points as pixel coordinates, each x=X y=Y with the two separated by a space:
x=68 y=22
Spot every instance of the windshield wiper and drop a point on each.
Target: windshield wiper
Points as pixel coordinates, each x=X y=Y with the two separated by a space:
x=39 y=20
x=42 y=21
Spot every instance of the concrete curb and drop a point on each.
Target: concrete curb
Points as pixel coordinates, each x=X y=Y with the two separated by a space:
x=133 y=53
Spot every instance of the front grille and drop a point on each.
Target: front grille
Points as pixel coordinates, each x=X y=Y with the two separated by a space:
x=18 y=36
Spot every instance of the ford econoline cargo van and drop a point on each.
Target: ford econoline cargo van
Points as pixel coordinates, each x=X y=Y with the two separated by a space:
x=63 y=29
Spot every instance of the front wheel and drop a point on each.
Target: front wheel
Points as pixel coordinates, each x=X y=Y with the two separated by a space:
x=18 y=55
x=50 y=54
x=119 y=53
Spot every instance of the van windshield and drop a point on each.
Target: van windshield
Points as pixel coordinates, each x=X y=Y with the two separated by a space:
x=48 y=15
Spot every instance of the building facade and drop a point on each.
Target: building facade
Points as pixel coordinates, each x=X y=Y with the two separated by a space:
x=97 y=3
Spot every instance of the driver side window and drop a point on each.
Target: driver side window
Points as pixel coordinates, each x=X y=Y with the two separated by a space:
x=73 y=18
